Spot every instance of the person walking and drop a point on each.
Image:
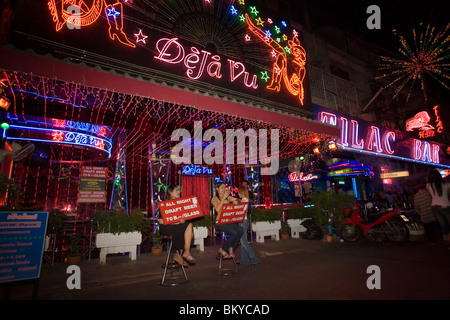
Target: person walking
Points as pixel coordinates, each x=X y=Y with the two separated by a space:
x=440 y=205
x=233 y=229
x=246 y=250
x=422 y=205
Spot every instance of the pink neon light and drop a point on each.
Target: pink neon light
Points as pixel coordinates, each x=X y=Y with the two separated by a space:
x=355 y=134
x=426 y=152
x=387 y=137
x=293 y=177
x=344 y=131
x=419 y=121
x=373 y=139
x=196 y=62
x=326 y=117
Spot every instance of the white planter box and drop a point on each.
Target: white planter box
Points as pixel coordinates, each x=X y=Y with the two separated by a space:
x=117 y=243
x=264 y=228
x=200 y=233
x=296 y=227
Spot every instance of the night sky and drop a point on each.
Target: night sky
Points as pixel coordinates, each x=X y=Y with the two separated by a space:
x=404 y=15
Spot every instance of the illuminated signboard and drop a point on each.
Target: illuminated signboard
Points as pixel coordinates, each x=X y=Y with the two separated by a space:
x=235 y=46
x=362 y=136
x=397 y=174
x=421 y=122
x=293 y=177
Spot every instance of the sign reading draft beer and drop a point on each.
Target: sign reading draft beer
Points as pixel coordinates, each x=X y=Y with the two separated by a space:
x=172 y=211
x=233 y=213
x=92 y=184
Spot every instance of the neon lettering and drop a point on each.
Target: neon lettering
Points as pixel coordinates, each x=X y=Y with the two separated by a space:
x=387 y=137
x=344 y=131
x=373 y=139
x=197 y=62
x=355 y=136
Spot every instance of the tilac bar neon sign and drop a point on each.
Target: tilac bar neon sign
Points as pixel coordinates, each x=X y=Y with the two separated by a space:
x=374 y=141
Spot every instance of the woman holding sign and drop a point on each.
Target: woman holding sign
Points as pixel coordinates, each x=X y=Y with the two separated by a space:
x=232 y=229
x=182 y=233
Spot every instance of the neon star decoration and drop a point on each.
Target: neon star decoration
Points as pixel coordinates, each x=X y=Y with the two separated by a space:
x=254 y=11
x=429 y=55
x=140 y=37
x=89 y=15
x=264 y=76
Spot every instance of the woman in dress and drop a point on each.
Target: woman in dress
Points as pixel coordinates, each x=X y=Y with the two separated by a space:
x=181 y=232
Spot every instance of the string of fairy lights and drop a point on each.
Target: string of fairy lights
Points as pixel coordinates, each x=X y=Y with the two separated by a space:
x=153 y=122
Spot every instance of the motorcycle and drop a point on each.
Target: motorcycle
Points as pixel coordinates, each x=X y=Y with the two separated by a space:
x=313 y=232
x=375 y=226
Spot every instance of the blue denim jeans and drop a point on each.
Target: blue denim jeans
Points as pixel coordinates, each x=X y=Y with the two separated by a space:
x=443 y=217
x=235 y=233
x=246 y=250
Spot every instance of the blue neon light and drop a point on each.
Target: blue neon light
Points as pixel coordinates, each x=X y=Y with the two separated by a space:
x=72 y=138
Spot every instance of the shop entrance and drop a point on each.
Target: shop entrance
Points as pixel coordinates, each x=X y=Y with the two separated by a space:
x=199 y=186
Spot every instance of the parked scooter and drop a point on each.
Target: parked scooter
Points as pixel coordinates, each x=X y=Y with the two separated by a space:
x=376 y=227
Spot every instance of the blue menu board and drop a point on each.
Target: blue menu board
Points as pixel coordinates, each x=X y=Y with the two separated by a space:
x=22 y=236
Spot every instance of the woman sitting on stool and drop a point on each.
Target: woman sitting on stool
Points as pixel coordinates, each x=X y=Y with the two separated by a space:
x=181 y=232
x=233 y=229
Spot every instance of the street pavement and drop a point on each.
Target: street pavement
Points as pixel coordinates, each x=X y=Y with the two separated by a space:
x=289 y=270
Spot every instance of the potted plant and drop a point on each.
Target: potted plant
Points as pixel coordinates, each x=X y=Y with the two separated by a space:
x=119 y=232
x=201 y=227
x=54 y=224
x=284 y=230
x=329 y=208
x=266 y=222
x=74 y=249
x=156 y=243
x=294 y=217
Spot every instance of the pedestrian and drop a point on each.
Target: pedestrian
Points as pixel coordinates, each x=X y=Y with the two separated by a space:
x=422 y=205
x=246 y=250
x=234 y=230
x=182 y=233
x=440 y=205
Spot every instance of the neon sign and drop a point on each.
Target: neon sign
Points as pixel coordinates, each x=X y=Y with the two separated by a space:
x=71 y=14
x=63 y=137
x=196 y=170
x=360 y=136
x=422 y=120
x=293 y=177
x=197 y=62
x=293 y=84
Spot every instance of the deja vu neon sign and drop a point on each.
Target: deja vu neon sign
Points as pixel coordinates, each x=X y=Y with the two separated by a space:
x=354 y=138
x=199 y=63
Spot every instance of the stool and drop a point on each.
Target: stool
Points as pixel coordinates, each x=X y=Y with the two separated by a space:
x=228 y=271
x=172 y=280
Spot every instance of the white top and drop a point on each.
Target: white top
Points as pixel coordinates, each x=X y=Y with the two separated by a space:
x=439 y=201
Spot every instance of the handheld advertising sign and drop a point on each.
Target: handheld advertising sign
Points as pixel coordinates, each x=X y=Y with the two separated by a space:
x=233 y=213
x=172 y=211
